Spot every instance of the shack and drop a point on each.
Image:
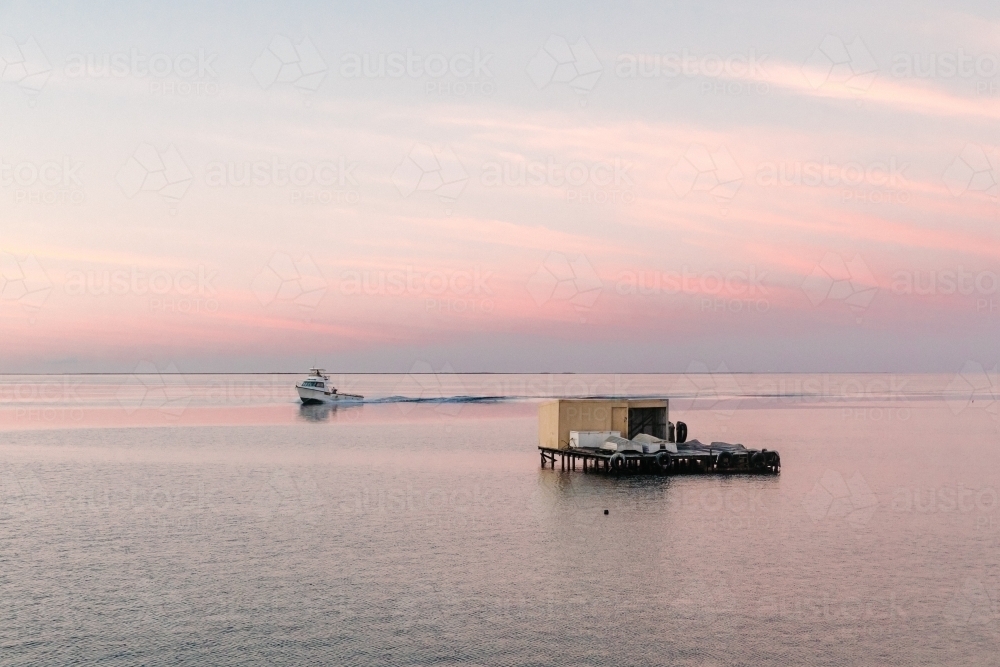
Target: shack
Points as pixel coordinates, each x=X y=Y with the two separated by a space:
x=628 y=417
x=581 y=430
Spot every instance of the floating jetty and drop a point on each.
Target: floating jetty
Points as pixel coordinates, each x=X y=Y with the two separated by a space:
x=691 y=458
x=636 y=437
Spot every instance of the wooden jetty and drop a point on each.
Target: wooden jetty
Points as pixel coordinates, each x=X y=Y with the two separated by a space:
x=691 y=458
x=620 y=436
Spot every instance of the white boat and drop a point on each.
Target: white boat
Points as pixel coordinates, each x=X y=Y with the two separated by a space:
x=317 y=389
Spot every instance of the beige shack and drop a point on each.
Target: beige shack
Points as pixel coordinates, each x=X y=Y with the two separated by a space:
x=629 y=417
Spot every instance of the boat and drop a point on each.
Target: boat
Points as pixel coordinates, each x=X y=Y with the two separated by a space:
x=316 y=388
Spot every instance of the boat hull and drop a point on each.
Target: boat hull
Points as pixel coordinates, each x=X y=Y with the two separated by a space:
x=310 y=396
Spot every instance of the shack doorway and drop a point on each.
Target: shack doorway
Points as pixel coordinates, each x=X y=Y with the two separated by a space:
x=652 y=421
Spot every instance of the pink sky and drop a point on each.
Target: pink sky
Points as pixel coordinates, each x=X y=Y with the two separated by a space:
x=773 y=221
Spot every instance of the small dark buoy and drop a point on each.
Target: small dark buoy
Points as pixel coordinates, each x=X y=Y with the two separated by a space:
x=605 y=512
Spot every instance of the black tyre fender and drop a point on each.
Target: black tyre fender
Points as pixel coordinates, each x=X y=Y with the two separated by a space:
x=617 y=461
x=725 y=460
x=662 y=460
x=757 y=460
x=681 y=433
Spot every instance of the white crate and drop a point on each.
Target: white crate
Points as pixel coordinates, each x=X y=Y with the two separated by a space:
x=590 y=439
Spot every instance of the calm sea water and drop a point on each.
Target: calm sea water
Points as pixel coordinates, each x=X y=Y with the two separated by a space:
x=211 y=520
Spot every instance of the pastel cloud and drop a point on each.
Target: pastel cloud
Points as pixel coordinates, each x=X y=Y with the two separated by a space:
x=637 y=178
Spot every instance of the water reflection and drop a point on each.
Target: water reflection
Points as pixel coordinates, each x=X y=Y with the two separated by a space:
x=321 y=412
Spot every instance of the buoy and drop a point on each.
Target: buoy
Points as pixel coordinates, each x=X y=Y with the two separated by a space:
x=605 y=512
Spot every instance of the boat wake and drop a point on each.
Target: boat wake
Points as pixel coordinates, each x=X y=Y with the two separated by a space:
x=439 y=399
